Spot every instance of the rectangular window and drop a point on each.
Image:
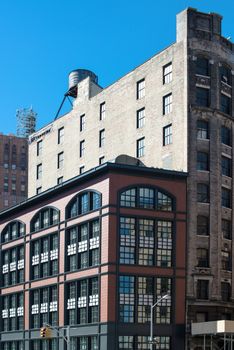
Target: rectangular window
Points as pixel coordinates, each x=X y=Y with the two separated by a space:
x=101 y=138
x=127 y=240
x=202 y=66
x=60 y=180
x=82 y=148
x=102 y=114
x=202 y=257
x=167 y=73
x=202 y=161
x=60 y=160
x=225 y=104
x=167 y=104
x=126 y=299
x=39 y=148
x=203 y=193
x=226 y=136
x=203 y=289
x=226 y=166
x=101 y=160
x=227 y=229
x=82 y=122
x=140 y=118
x=226 y=198
x=225 y=291
x=39 y=171
x=140 y=147
x=164 y=243
x=38 y=190
x=202 y=97
x=167 y=135
x=202 y=225
x=140 y=89
x=82 y=168
x=226 y=261
x=60 y=135
x=202 y=130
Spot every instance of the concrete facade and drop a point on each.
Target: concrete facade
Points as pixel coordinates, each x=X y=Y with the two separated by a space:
x=199 y=39
x=13 y=170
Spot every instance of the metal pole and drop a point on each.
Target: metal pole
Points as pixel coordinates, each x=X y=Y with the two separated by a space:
x=68 y=338
x=151 y=326
x=231 y=343
x=204 y=343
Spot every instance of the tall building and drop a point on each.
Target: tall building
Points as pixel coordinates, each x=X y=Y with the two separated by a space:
x=13 y=170
x=174 y=111
x=95 y=253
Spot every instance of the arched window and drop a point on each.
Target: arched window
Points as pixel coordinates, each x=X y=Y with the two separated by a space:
x=225 y=75
x=147 y=198
x=45 y=218
x=83 y=203
x=13 y=230
x=202 y=66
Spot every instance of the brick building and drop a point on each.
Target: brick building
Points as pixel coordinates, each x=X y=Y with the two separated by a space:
x=174 y=111
x=94 y=253
x=13 y=170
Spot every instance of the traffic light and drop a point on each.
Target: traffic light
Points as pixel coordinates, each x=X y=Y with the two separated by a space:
x=43 y=332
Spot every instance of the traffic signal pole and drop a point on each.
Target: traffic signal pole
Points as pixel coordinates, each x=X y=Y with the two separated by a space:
x=67 y=338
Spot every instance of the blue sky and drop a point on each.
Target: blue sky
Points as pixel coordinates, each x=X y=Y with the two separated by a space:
x=43 y=40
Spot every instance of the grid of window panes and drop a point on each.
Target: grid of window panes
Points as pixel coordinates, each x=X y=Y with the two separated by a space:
x=140 y=147
x=203 y=195
x=101 y=138
x=225 y=75
x=225 y=291
x=167 y=135
x=60 y=160
x=39 y=148
x=82 y=247
x=140 y=89
x=202 y=257
x=44 y=255
x=202 y=97
x=60 y=135
x=142 y=342
x=12 y=266
x=202 y=66
x=167 y=104
x=226 y=262
x=225 y=104
x=147 y=198
x=227 y=228
x=102 y=111
x=12 y=345
x=12 y=231
x=202 y=129
x=82 y=301
x=84 y=343
x=12 y=309
x=83 y=203
x=226 y=166
x=202 y=225
x=140 y=118
x=45 y=344
x=146 y=242
x=82 y=148
x=202 y=161
x=167 y=73
x=82 y=122
x=44 y=306
x=226 y=198
x=202 y=289
x=137 y=294
x=44 y=219
x=226 y=136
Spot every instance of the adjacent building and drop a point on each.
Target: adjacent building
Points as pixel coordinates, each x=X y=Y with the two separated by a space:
x=95 y=253
x=13 y=170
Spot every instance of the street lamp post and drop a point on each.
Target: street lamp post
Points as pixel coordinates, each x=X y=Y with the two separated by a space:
x=166 y=296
